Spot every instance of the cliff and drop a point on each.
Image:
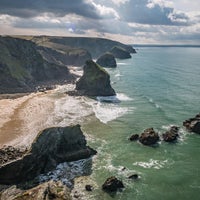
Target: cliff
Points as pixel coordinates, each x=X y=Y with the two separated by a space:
x=96 y=46
x=22 y=67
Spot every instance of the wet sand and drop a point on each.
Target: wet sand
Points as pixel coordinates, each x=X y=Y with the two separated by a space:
x=22 y=118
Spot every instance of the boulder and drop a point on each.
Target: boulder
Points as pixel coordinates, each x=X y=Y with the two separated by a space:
x=193 y=124
x=48 y=191
x=119 y=52
x=134 y=176
x=51 y=147
x=149 y=137
x=112 y=184
x=134 y=137
x=95 y=81
x=107 y=60
x=171 y=135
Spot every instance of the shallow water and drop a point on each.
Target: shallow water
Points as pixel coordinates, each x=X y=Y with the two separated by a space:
x=160 y=88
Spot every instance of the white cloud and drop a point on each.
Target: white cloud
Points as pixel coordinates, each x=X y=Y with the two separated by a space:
x=104 y=11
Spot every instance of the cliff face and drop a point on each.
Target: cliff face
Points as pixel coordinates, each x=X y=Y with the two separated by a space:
x=96 y=46
x=22 y=66
x=95 y=81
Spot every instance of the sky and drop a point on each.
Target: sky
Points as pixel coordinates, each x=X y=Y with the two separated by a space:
x=127 y=21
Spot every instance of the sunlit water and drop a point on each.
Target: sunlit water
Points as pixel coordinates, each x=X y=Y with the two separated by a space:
x=157 y=88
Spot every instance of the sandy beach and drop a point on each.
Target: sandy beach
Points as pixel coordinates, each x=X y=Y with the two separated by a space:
x=22 y=118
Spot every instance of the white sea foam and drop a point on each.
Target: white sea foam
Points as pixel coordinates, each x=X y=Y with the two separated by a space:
x=108 y=112
x=156 y=164
x=66 y=172
x=70 y=109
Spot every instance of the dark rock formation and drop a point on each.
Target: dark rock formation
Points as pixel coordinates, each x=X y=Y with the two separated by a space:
x=134 y=137
x=107 y=60
x=171 y=135
x=134 y=176
x=95 y=81
x=193 y=124
x=22 y=67
x=48 y=191
x=149 y=137
x=51 y=147
x=88 y=188
x=119 y=52
x=112 y=184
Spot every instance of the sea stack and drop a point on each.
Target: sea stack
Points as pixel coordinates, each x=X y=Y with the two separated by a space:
x=95 y=81
x=107 y=60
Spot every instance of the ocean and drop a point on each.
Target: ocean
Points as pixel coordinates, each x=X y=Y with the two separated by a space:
x=158 y=87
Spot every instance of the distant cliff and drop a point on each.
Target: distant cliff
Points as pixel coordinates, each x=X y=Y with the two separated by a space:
x=22 y=67
x=96 y=46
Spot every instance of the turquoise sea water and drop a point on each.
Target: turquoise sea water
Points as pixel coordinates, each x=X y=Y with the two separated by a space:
x=157 y=87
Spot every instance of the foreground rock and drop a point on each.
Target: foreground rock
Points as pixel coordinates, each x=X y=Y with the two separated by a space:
x=10 y=153
x=171 y=135
x=51 y=147
x=107 y=60
x=95 y=81
x=119 y=52
x=193 y=124
x=112 y=184
x=46 y=191
x=149 y=137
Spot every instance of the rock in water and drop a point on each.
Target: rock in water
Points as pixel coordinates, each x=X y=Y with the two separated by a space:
x=171 y=135
x=95 y=81
x=107 y=60
x=112 y=184
x=51 y=147
x=193 y=124
x=149 y=137
x=119 y=52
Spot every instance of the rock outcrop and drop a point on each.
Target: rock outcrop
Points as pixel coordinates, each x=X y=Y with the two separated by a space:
x=171 y=135
x=95 y=81
x=22 y=67
x=112 y=184
x=46 y=191
x=107 y=60
x=134 y=137
x=193 y=124
x=51 y=147
x=119 y=52
x=149 y=137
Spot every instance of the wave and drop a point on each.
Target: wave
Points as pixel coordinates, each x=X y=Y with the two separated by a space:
x=69 y=110
x=114 y=99
x=156 y=164
x=108 y=112
x=121 y=63
x=150 y=100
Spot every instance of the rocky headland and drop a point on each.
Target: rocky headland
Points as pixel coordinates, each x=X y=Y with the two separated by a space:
x=51 y=147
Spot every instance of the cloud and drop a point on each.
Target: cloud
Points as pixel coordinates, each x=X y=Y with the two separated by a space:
x=30 y=8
